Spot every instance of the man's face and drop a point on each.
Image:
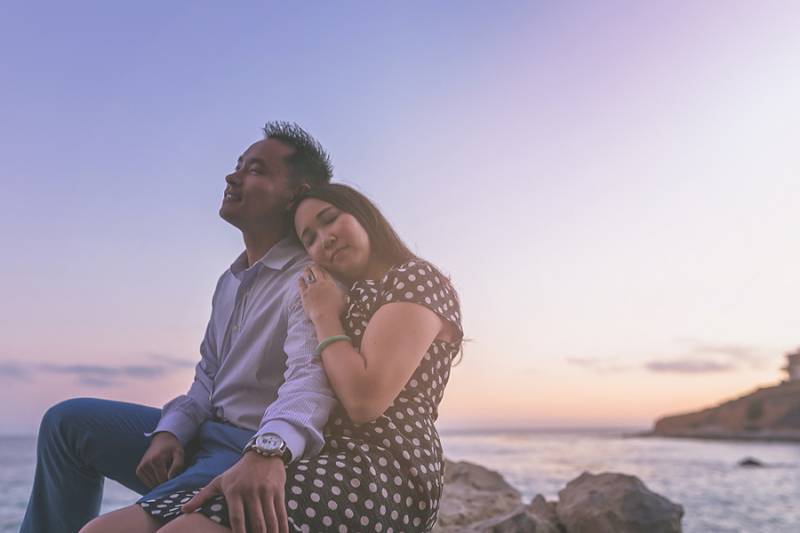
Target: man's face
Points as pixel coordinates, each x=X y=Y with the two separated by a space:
x=258 y=191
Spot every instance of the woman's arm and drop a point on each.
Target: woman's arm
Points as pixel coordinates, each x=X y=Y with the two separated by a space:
x=394 y=343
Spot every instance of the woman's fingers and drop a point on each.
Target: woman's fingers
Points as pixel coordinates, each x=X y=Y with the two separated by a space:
x=318 y=272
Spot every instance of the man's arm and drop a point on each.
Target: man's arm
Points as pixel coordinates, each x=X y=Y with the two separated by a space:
x=182 y=416
x=254 y=486
x=305 y=400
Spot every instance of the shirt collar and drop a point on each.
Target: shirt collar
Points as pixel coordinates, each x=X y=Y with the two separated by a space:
x=276 y=258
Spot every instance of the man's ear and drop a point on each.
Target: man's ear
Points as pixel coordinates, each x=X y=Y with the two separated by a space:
x=301 y=190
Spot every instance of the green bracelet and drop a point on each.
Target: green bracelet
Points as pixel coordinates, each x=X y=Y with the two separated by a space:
x=324 y=343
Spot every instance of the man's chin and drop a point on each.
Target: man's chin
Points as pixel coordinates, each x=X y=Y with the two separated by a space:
x=228 y=217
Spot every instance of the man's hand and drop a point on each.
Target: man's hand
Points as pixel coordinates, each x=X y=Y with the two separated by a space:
x=163 y=460
x=253 y=488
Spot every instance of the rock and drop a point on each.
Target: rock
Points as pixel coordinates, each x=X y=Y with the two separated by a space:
x=519 y=521
x=473 y=494
x=750 y=462
x=544 y=509
x=615 y=503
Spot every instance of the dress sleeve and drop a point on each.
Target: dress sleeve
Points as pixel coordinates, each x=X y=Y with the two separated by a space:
x=421 y=283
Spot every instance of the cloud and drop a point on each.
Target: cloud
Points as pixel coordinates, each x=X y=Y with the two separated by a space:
x=601 y=365
x=9 y=370
x=689 y=366
x=173 y=361
x=695 y=358
x=95 y=375
x=707 y=358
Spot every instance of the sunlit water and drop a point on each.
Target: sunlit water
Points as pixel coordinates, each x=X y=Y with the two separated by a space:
x=703 y=476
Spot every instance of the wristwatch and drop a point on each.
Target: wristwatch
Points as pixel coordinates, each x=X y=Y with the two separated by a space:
x=269 y=445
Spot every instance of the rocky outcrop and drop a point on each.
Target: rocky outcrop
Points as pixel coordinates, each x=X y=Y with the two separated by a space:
x=478 y=500
x=472 y=494
x=769 y=413
x=615 y=503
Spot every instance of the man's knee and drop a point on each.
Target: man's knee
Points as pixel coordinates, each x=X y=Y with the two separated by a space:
x=68 y=420
x=65 y=414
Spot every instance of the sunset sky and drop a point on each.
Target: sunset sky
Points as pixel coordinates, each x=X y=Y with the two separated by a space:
x=612 y=186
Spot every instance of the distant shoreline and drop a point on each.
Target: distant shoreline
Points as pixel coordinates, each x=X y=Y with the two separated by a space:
x=740 y=437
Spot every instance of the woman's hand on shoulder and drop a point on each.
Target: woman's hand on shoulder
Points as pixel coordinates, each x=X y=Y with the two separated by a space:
x=323 y=299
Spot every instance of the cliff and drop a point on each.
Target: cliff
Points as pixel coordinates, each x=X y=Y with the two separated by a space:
x=768 y=413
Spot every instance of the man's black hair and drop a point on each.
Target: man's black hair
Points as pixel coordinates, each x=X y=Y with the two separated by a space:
x=308 y=162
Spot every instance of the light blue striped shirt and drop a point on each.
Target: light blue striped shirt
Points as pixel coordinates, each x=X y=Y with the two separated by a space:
x=258 y=369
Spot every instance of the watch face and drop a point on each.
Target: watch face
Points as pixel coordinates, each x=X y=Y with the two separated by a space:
x=269 y=442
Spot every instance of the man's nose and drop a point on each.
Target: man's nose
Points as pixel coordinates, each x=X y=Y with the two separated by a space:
x=232 y=178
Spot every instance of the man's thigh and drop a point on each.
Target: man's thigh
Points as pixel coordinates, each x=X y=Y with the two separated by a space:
x=109 y=436
x=216 y=448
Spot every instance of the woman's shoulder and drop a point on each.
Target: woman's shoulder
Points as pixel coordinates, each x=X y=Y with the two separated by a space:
x=416 y=269
x=416 y=279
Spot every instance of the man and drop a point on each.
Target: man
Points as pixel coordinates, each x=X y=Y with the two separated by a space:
x=258 y=376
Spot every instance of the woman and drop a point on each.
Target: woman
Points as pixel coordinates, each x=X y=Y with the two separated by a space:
x=387 y=345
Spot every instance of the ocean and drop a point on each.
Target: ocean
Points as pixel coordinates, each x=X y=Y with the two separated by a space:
x=703 y=476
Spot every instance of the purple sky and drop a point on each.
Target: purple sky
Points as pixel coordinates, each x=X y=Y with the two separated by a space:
x=612 y=186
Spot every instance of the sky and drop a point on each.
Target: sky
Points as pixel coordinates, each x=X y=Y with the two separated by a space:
x=612 y=187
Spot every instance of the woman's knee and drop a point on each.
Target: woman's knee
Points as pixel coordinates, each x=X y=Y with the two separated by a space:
x=131 y=519
x=193 y=523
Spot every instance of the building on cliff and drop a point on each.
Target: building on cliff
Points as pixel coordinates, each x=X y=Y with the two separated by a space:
x=793 y=365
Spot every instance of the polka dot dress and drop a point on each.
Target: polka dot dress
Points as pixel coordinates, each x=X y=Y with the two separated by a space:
x=386 y=475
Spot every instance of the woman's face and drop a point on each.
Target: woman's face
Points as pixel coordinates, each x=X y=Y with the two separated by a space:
x=334 y=239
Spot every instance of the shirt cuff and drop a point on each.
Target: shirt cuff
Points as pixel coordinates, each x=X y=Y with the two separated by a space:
x=179 y=424
x=295 y=439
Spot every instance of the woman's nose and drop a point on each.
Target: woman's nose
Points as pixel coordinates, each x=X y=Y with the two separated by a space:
x=329 y=241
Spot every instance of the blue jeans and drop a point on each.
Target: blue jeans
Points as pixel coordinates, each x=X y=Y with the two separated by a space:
x=84 y=440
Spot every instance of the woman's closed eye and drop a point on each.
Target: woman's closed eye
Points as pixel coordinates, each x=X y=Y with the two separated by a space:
x=329 y=217
x=308 y=239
